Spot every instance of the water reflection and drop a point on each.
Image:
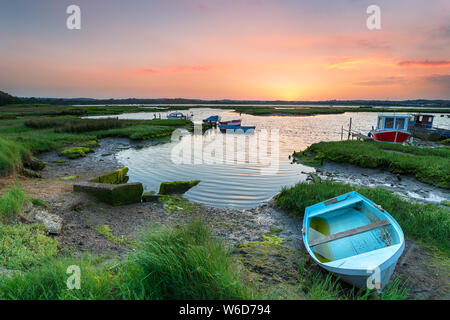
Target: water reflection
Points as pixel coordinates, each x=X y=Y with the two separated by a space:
x=237 y=184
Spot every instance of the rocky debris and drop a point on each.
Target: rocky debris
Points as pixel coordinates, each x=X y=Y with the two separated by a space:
x=114 y=194
x=36 y=164
x=52 y=222
x=177 y=187
x=313 y=177
x=31 y=173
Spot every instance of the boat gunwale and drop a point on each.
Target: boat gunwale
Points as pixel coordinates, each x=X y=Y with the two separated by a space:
x=394 y=223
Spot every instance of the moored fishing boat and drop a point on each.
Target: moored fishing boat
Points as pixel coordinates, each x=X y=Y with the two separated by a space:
x=354 y=238
x=423 y=123
x=211 y=119
x=391 y=128
x=233 y=128
x=176 y=116
x=231 y=123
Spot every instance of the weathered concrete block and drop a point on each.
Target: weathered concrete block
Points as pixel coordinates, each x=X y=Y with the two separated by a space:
x=114 y=194
x=151 y=197
x=115 y=177
x=177 y=187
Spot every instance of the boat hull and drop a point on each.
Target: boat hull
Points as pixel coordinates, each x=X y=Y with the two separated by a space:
x=231 y=123
x=390 y=136
x=353 y=238
x=212 y=119
x=227 y=128
x=359 y=278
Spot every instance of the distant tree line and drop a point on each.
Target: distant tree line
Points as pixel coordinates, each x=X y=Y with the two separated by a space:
x=7 y=99
x=363 y=103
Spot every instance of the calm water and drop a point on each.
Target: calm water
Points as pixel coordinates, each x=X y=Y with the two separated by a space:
x=238 y=184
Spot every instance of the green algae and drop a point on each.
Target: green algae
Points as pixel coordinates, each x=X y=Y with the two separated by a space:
x=177 y=203
x=89 y=144
x=115 y=177
x=177 y=187
x=105 y=231
x=76 y=152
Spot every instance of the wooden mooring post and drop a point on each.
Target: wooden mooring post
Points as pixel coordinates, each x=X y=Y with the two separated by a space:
x=349 y=129
x=342 y=132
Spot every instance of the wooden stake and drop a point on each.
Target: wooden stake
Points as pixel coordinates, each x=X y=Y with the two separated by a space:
x=349 y=129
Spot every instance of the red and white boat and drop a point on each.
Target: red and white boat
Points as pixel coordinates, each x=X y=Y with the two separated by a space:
x=391 y=128
x=231 y=123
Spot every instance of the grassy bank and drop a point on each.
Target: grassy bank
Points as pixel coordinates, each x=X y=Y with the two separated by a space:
x=429 y=165
x=170 y=263
x=30 y=129
x=178 y=262
x=426 y=223
x=12 y=155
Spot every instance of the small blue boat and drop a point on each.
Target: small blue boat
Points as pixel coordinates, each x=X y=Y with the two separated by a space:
x=212 y=119
x=354 y=238
x=231 y=128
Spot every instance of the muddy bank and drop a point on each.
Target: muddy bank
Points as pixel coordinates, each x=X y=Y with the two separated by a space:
x=84 y=218
x=408 y=188
x=101 y=161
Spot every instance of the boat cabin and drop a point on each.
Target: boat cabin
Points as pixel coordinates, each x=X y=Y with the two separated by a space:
x=421 y=121
x=176 y=116
x=392 y=122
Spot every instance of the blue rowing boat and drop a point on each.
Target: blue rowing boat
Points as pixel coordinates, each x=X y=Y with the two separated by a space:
x=231 y=128
x=211 y=119
x=354 y=238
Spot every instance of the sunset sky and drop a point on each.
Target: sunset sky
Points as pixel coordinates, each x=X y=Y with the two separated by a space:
x=226 y=49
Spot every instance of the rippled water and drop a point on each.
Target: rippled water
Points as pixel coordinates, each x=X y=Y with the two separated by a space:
x=239 y=184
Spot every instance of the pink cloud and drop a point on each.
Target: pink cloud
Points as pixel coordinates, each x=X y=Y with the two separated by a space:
x=424 y=63
x=176 y=69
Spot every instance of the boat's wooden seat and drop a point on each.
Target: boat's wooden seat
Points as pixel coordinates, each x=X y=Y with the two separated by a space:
x=349 y=232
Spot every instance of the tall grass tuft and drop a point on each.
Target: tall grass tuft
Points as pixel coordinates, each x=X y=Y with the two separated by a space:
x=183 y=263
x=324 y=288
x=11 y=202
x=12 y=156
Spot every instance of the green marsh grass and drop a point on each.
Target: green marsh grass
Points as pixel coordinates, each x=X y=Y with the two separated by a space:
x=184 y=262
x=25 y=246
x=12 y=156
x=429 y=165
x=31 y=129
x=11 y=202
x=427 y=223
